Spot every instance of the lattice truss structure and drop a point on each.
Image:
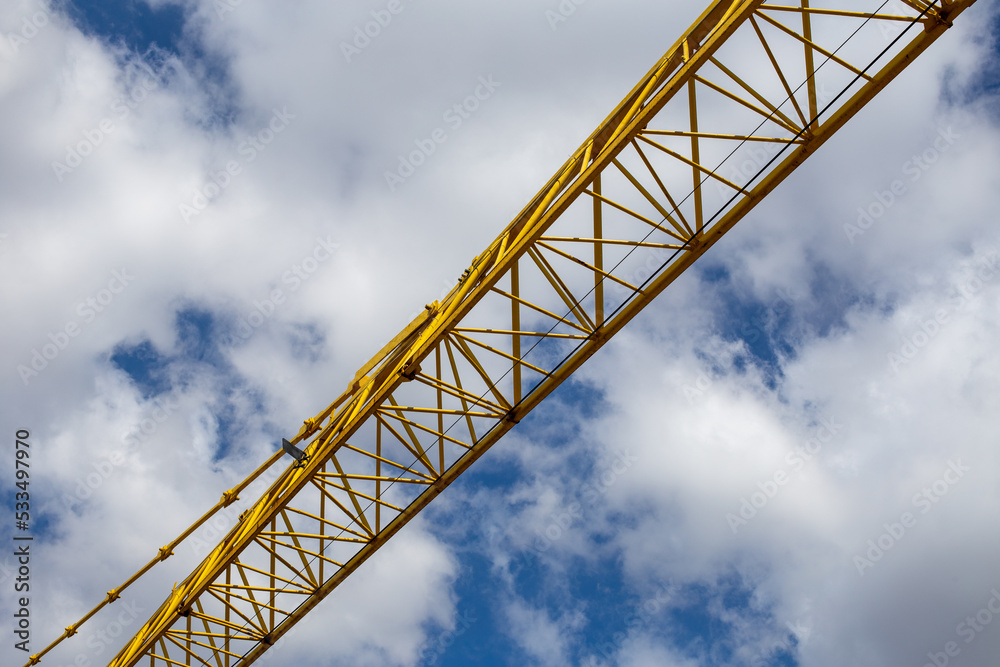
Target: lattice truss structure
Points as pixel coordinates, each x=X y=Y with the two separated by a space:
x=733 y=107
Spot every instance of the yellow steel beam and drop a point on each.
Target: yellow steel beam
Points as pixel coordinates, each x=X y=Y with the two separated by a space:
x=566 y=275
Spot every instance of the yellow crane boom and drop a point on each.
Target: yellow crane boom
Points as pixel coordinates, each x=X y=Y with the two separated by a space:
x=733 y=107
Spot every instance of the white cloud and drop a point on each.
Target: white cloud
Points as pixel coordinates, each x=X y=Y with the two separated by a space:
x=544 y=639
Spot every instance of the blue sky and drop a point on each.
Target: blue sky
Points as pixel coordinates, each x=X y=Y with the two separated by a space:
x=787 y=327
x=137 y=25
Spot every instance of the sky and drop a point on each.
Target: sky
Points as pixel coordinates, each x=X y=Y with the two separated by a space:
x=790 y=458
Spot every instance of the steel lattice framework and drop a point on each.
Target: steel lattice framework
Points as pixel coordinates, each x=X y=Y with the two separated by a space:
x=743 y=98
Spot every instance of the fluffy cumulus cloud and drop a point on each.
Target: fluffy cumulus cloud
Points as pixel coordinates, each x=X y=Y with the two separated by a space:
x=214 y=211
